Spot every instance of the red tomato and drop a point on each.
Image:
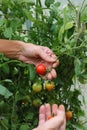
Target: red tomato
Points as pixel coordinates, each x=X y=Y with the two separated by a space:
x=41 y=69
x=50 y=117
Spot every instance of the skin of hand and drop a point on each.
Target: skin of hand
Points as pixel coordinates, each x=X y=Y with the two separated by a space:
x=31 y=54
x=58 y=122
x=35 y=54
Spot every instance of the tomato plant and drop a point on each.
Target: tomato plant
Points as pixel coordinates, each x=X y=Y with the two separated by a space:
x=62 y=30
x=41 y=69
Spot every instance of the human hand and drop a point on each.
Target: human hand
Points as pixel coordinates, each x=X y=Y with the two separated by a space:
x=58 y=122
x=35 y=54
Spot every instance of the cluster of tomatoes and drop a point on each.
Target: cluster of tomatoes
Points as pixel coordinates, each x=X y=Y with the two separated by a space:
x=48 y=85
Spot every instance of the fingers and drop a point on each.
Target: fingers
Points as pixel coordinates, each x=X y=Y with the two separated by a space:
x=61 y=112
x=55 y=64
x=41 y=115
x=52 y=74
x=54 y=109
x=57 y=122
x=62 y=109
x=46 y=54
x=47 y=111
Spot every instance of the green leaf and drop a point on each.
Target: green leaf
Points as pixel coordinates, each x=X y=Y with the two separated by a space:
x=4 y=124
x=69 y=25
x=64 y=28
x=28 y=14
x=1 y=22
x=49 y=2
x=5 y=92
x=29 y=116
x=77 y=64
x=24 y=127
x=84 y=60
x=32 y=72
x=26 y=1
x=8 y=32
x=5 y=68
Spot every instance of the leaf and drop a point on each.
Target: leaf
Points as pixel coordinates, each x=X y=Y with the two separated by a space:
x=84 y=60
x=28 y=14
x=69 y=25
x=29 y=116
x=4 y=123
x=8 y=32
x=77 y=64
x=26 y=1
x=32 y=72
x=5 y=92
x=6 y=80
x=24 y=127
x=65 y=27
x=1 y=22
x=49 y=2
x=5 y=68
x=57 y=4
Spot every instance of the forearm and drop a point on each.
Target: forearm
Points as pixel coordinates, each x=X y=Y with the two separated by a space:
x=11 y=48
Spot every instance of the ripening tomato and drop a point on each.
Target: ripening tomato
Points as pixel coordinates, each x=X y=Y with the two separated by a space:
x=36 y=102
x=49 y=85
x=50 y=117
x=41 y=69
x=68 y=115
x=37 y=87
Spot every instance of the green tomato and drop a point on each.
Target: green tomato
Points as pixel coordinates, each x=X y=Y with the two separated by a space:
x=37 y=87
x=36 y=102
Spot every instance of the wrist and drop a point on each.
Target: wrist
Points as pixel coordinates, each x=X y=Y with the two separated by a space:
x=11 y=48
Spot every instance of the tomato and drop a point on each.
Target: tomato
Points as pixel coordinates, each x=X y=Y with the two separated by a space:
x=49 y=85
x=36 y=102
x=68 y=115
x=41 y=69
x=25 y=99
x=50 y=117
x=37 y=87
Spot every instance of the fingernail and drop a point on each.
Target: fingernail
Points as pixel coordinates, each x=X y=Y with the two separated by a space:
x=61 y=107
x=54 y=56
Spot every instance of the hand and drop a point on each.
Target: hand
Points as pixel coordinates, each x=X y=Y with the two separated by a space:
x=58 y=122
x=35 y=54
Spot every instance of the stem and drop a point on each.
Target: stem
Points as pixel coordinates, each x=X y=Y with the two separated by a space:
x=84 y=122
x=82 y=5
x=1 y=122
x=11 y=61
x=71 y=49
x=72 y=5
